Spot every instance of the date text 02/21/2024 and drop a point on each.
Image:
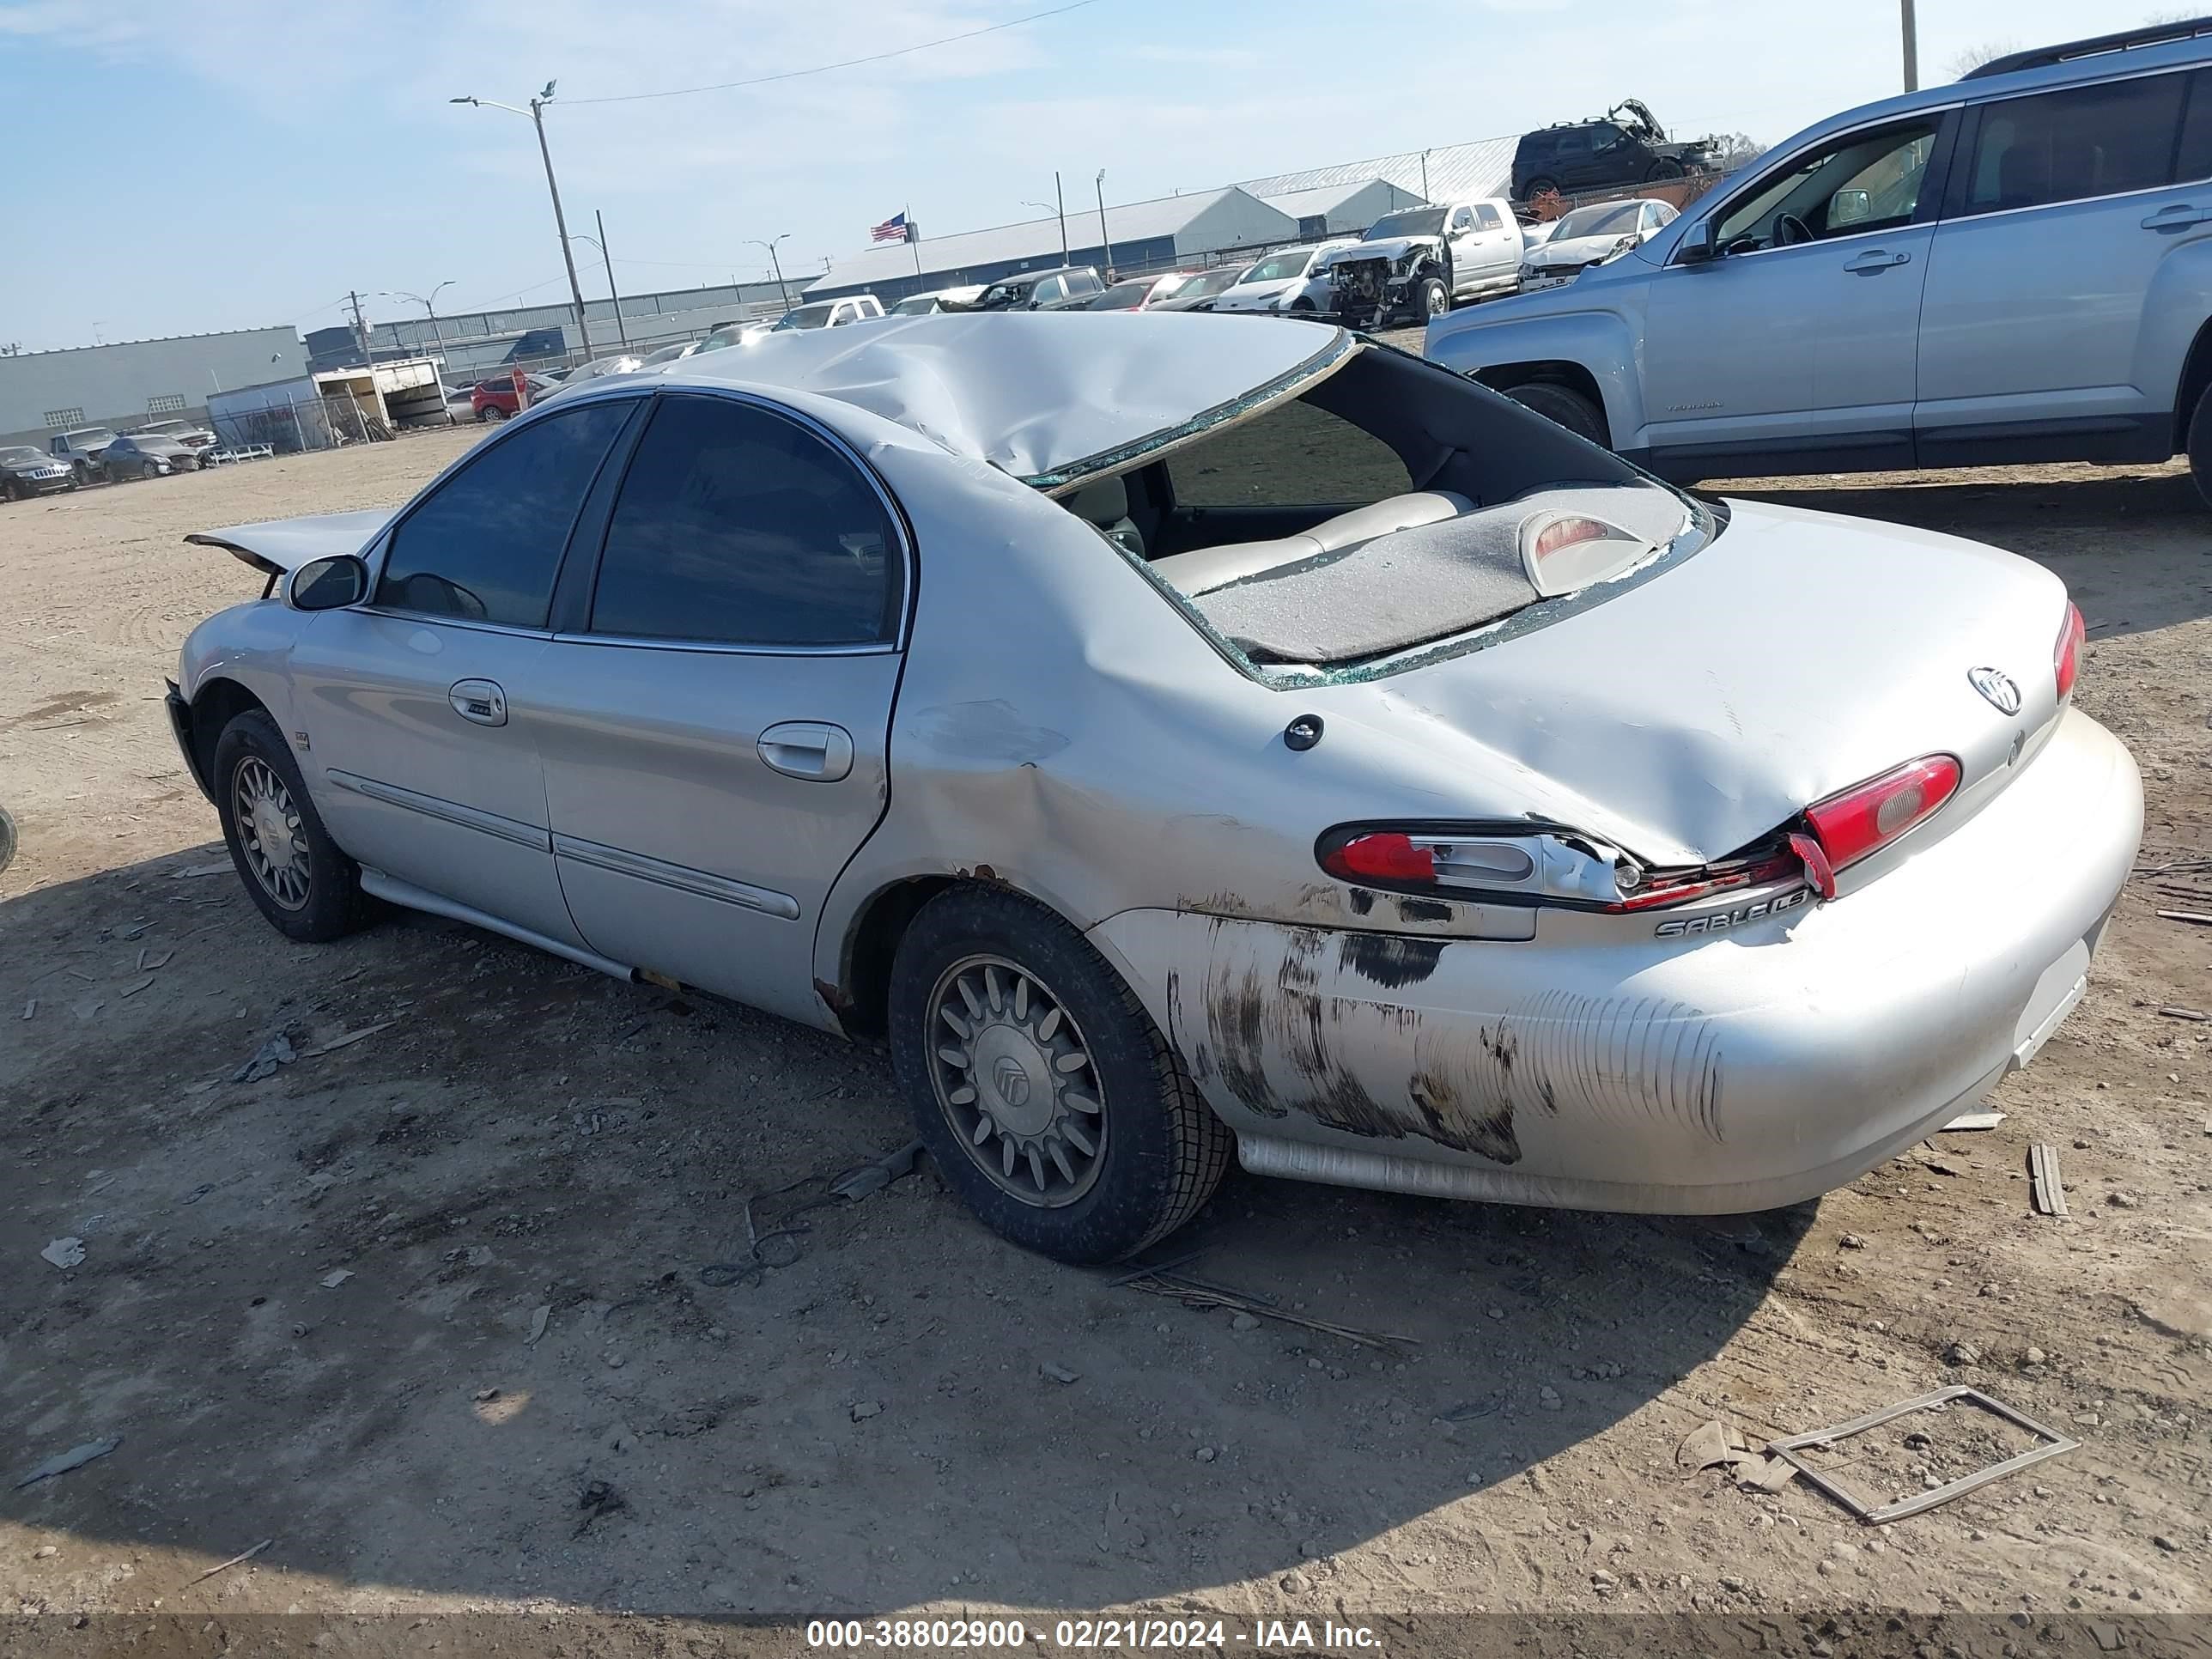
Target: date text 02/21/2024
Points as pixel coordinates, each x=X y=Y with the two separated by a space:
x=1264 y=1636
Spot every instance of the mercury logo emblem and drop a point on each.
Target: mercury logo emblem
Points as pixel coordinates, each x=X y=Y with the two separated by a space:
x=1997 y=688
x=1011 y=1082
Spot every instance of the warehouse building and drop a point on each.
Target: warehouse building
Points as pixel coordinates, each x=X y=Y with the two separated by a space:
x=134 y=382
x=1339 y=210
x=1155 y=236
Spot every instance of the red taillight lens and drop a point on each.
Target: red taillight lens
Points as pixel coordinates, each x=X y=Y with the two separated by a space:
x=2066 y=658
x=1382 y=855
x=1858 y=821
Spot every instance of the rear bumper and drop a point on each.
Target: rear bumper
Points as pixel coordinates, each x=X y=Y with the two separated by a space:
x=180 y=726
x=1700 y=1075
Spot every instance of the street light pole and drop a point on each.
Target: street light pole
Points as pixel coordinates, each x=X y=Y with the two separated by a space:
x=1912 y=46
x=613 y=298
x=776 y=262
x=1105 y=242
x=1062 y=210
x=535 y=113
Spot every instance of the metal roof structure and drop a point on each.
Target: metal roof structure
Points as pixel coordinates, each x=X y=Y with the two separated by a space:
x=1455 y=173
x=1328 y=200
x=1029 y=240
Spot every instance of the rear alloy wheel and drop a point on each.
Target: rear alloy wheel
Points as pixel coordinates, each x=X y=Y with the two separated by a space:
x=1563 y=406
x=1433 y=298
x=491 y=412
x=1045 y=1093
x=2200 y=445
x=1542 y=184
x=293 y=870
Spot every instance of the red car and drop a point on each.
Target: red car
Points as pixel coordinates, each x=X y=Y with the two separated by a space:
x=495 y=400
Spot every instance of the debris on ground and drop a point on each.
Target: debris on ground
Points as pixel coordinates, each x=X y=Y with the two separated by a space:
x=596 y=1499
x=2197 y=1014
x=235 y=1560
x=2196 y=916
x=865 y=1409
x=1058 y=1373
x=331 y=1281
x=222 y=867
x=537 y=1321
x=276 y=1052
x=1198 y=1293
x=346 y=1040
x=1974 y=1120
x=30 y=1008
x=848 y=1187
x=65 y=1252
x=2044 y=1188
x=74 y=1458
x=149 y=959
x=1712 y=1443
x=858 y=1183
x=2051 y=1443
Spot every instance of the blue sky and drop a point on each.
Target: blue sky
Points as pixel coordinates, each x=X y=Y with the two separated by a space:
x=244 y=162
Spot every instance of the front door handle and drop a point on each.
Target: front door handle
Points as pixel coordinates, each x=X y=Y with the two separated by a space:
x=813 y=750
x=1878 y=259
x=480 y=701
x=2179 y=216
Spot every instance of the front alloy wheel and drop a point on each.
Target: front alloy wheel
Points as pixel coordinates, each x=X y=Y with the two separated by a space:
x=1014 y=1079
x=271 y=834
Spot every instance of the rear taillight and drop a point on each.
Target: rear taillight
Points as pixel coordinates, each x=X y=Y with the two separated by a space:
x=2066 y=656
x=1868 y=817
x=1538 y=867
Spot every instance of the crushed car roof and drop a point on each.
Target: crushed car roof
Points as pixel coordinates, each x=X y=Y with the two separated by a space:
x=1051 y=399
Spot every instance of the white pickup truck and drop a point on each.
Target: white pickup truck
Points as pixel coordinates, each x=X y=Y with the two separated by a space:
x=1418 y=263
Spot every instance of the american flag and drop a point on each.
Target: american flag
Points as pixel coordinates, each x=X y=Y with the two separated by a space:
x=892 y=229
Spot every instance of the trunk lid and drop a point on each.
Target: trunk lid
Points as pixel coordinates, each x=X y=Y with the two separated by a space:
x=279 y=545
x=1797 y=654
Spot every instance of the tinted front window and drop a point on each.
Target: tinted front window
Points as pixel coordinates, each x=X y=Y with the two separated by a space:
x=2084 y=140
x=486 y=544
x=737 y=526
x=1413 y=221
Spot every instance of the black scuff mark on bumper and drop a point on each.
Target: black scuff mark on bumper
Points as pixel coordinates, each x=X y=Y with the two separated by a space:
x=1483 y=1129
x=1389 y=959
x=181 y=726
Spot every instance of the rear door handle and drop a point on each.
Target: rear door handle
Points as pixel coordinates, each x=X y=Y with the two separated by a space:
x=2179 y=216
x=813 y=750
x=1878 y=259
x=480 y=701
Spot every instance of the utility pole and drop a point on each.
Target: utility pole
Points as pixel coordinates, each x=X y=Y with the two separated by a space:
x=1060 y=205
x=535 y=113
x=361 y=328
x=774 y=261
x=1912 y=46
x=621 y=327
x=1105 y=242
x=1425 y=163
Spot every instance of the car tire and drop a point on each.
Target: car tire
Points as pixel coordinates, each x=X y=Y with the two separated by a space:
x=491 y=412
x=83 y=471
x=1541 y=185
x=1431 y=299
x=1563 y=406
x=992 y=996
x=1302 y=306
x=17 y=492
x=307 y=889
x=2200 y=445
x=1664 y=168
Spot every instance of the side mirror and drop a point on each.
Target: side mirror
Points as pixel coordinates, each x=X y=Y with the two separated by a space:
x=1848 y=207
x=1035 y=304
x=328 y=583
x=1696 y=246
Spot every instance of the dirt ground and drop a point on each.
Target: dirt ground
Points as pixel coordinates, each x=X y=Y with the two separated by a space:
x=427 y=1311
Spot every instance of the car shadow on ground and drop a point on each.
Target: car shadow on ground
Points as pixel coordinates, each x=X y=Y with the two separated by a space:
x=2071 y=522
x=429 y=1309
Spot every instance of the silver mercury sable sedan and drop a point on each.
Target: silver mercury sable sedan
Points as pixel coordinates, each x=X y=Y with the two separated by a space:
x=1176 y=734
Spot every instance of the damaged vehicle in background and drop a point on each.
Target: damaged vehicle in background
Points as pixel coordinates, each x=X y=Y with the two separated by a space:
x=1304 y=752
x=142 y=455
x=1418 y=263
x=1284 y=280
x=1625 y=146
x=1589 y=235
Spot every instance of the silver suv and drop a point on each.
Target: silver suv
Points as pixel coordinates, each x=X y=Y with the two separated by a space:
x=2017 y=267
